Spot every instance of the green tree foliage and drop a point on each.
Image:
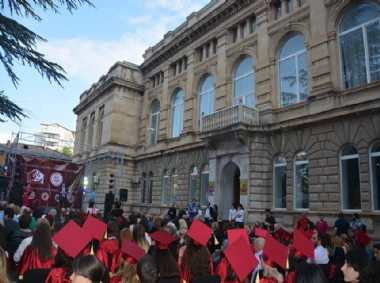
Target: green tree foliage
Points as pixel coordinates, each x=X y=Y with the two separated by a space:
x=65 y=150
x=18 y=45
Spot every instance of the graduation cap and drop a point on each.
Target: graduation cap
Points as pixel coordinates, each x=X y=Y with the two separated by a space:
x=131 y=252
x=95 y=227
x=303 y=232
x=162 y=239
x=234 y=234
x=72 y=239
x=303 y=245
x=199 y=232
x=261 y=233
x=241 y=258
x=362 y=238
x=274 y=253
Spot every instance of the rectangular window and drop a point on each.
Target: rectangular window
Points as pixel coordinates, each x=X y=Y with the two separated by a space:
x=302 y=184
x=200 y=54
x=277 y=10
x=351 y=184
x=143 y=190
x=150 y=190
x=244 y=29
x=165 y=180
x=174 y=70
x=153 y=82
x=280 y=185
x=302 y=2
x=289 y=6
x=185 y=63
x=253 y=24
x=234 y=34
x=180 y=66
x=215 y=45
x=204 y=184
x=208 y=50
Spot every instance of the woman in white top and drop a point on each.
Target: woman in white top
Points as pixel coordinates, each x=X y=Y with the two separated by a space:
x=232 y=214
x=240 y=214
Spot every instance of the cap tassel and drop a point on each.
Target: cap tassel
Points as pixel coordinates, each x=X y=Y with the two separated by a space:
x=216 y=242
x=287 y=263
x=92 y=249
x=105 y=235
x=257 y=277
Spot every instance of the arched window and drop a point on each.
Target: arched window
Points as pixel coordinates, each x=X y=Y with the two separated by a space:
x=165 y=179
x=84 y=131
x=350 y=178
x=154 y=123
x=204 y=185
x=206 y=99
x=150 y=187
x=174 y=185
x=193 y=182
x=279 y=182
x=293 y=72
x=375 y=175
x=143 y=188
x=301 y=180
x=177 y=117
x=244 y=83
x=359 y=40
x=101 y=121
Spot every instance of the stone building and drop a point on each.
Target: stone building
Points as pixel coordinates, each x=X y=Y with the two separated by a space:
x=271 y=104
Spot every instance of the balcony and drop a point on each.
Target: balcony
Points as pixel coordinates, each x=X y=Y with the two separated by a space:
x=228 y=117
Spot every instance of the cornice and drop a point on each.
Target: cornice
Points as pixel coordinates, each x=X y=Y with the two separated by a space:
x=211 y=21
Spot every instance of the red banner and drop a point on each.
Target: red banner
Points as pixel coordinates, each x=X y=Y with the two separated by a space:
x=44 y=178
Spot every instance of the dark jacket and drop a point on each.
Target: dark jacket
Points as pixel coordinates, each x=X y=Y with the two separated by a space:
x=172 y=213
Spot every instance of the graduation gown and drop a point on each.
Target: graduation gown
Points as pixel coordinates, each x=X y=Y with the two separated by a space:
x=221 y=270
x=290 y=277
x=115 y=260
x=57 y=275
x=30 y=260
x=100 y=254
x=186 y=274
x=109 y=245
x=268 y=280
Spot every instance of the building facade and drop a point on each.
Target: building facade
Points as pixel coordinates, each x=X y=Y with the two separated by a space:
x=271 y=104
x=54 y=136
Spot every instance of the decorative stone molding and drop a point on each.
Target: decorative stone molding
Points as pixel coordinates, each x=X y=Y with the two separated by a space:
x=236 y=58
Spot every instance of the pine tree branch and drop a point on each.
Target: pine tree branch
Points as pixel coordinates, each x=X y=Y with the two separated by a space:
x=19 y=43
x=10 y=110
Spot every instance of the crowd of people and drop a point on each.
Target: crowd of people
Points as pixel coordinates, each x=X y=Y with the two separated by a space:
x=184 y=246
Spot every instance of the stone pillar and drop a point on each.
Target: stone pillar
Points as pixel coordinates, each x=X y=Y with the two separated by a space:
x=222 y=90
x=239 y=36
x=190 y=103
x=164 y=112
x=212 y=47
x=204 y=50
x=176 y=68
x=284 y=9
x=296 y=4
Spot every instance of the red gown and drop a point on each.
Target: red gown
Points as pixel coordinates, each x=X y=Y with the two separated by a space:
x=29 y=260
x=115 y=260
x=290 y=277
x=268 y=280
x=186 y=274
x=221 y=270
x=115 y=279
x=57 y=275
x=109 y=245
x=25 y=196
x=100 y=254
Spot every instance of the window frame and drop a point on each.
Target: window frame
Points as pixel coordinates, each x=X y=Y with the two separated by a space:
x=101 y=124
x=363 y=27
x=211 y=94
x=150 y=188
x=143 y=188
x=347 y=157
x=155 y=130
x=181 y=112
x=295 y=163
x=234 y=98
x=165 y=187
x=92 y=130
x=371 y=155
x=204 y=172
x=192 y=174
x=274 y=180
x=173 y=197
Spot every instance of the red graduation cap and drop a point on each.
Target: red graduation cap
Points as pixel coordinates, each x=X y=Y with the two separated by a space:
x=303 y=244
x=362 y=238
x=241 y=258
x=234 y=234
x=274 y=252
x=95 y=227
x=261 y=233
x=131 y=252
x=162 y=240
x=72 y=239
x=303 y=232
x=199 y=232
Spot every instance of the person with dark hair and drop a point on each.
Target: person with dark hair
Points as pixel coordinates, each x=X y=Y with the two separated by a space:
x=10 y=226
x=172 y=212
x=302 y=222
x=232 y=212
x=147 y=271
x=309 y=273
x=62 y=196
x=110 y=244
x=92 y=198
x=37 y=214
x=87 y=268
x=168 y=269
x=117 y=211
x=215 y=213
x=376 y=252
x=40 y=253
x=355 y=225
x=239 y=215
x=269 y=219
x=341 y=225
x=358 y=268
x=20 y=234
x=322 y=226
x=321 y=255
x=311 y=229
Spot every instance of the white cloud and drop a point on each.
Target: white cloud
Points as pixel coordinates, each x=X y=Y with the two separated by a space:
x=89 y=59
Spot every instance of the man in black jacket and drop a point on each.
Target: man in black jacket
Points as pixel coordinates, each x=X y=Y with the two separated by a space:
x=172 y=212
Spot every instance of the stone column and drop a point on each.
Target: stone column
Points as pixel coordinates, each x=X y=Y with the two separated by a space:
x=222 y=89
x=176 y=68
x=211 y=47
x=239 y=36
x=190 y=106
x=164 y=113
x=204 y=52
x=284 y=9
x=296 y=4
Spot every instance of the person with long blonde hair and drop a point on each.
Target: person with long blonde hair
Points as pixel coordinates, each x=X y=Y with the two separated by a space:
x=139 y=237
x=128 y=263
x=3 y=267
x=116 y=255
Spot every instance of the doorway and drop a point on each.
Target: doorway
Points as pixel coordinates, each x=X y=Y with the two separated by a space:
x=230 y=185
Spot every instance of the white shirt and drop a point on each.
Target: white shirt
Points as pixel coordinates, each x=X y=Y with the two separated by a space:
x=199 y=212
x=21 y=248
x=92 y=210
x=207 y=213
x=321 y=256
x=241 y=213
x=232 y=214
x=259 y=266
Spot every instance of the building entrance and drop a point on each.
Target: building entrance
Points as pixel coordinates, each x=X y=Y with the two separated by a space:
x=230 y=189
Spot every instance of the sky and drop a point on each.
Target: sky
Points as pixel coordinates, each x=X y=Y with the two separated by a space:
x=86 y=44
